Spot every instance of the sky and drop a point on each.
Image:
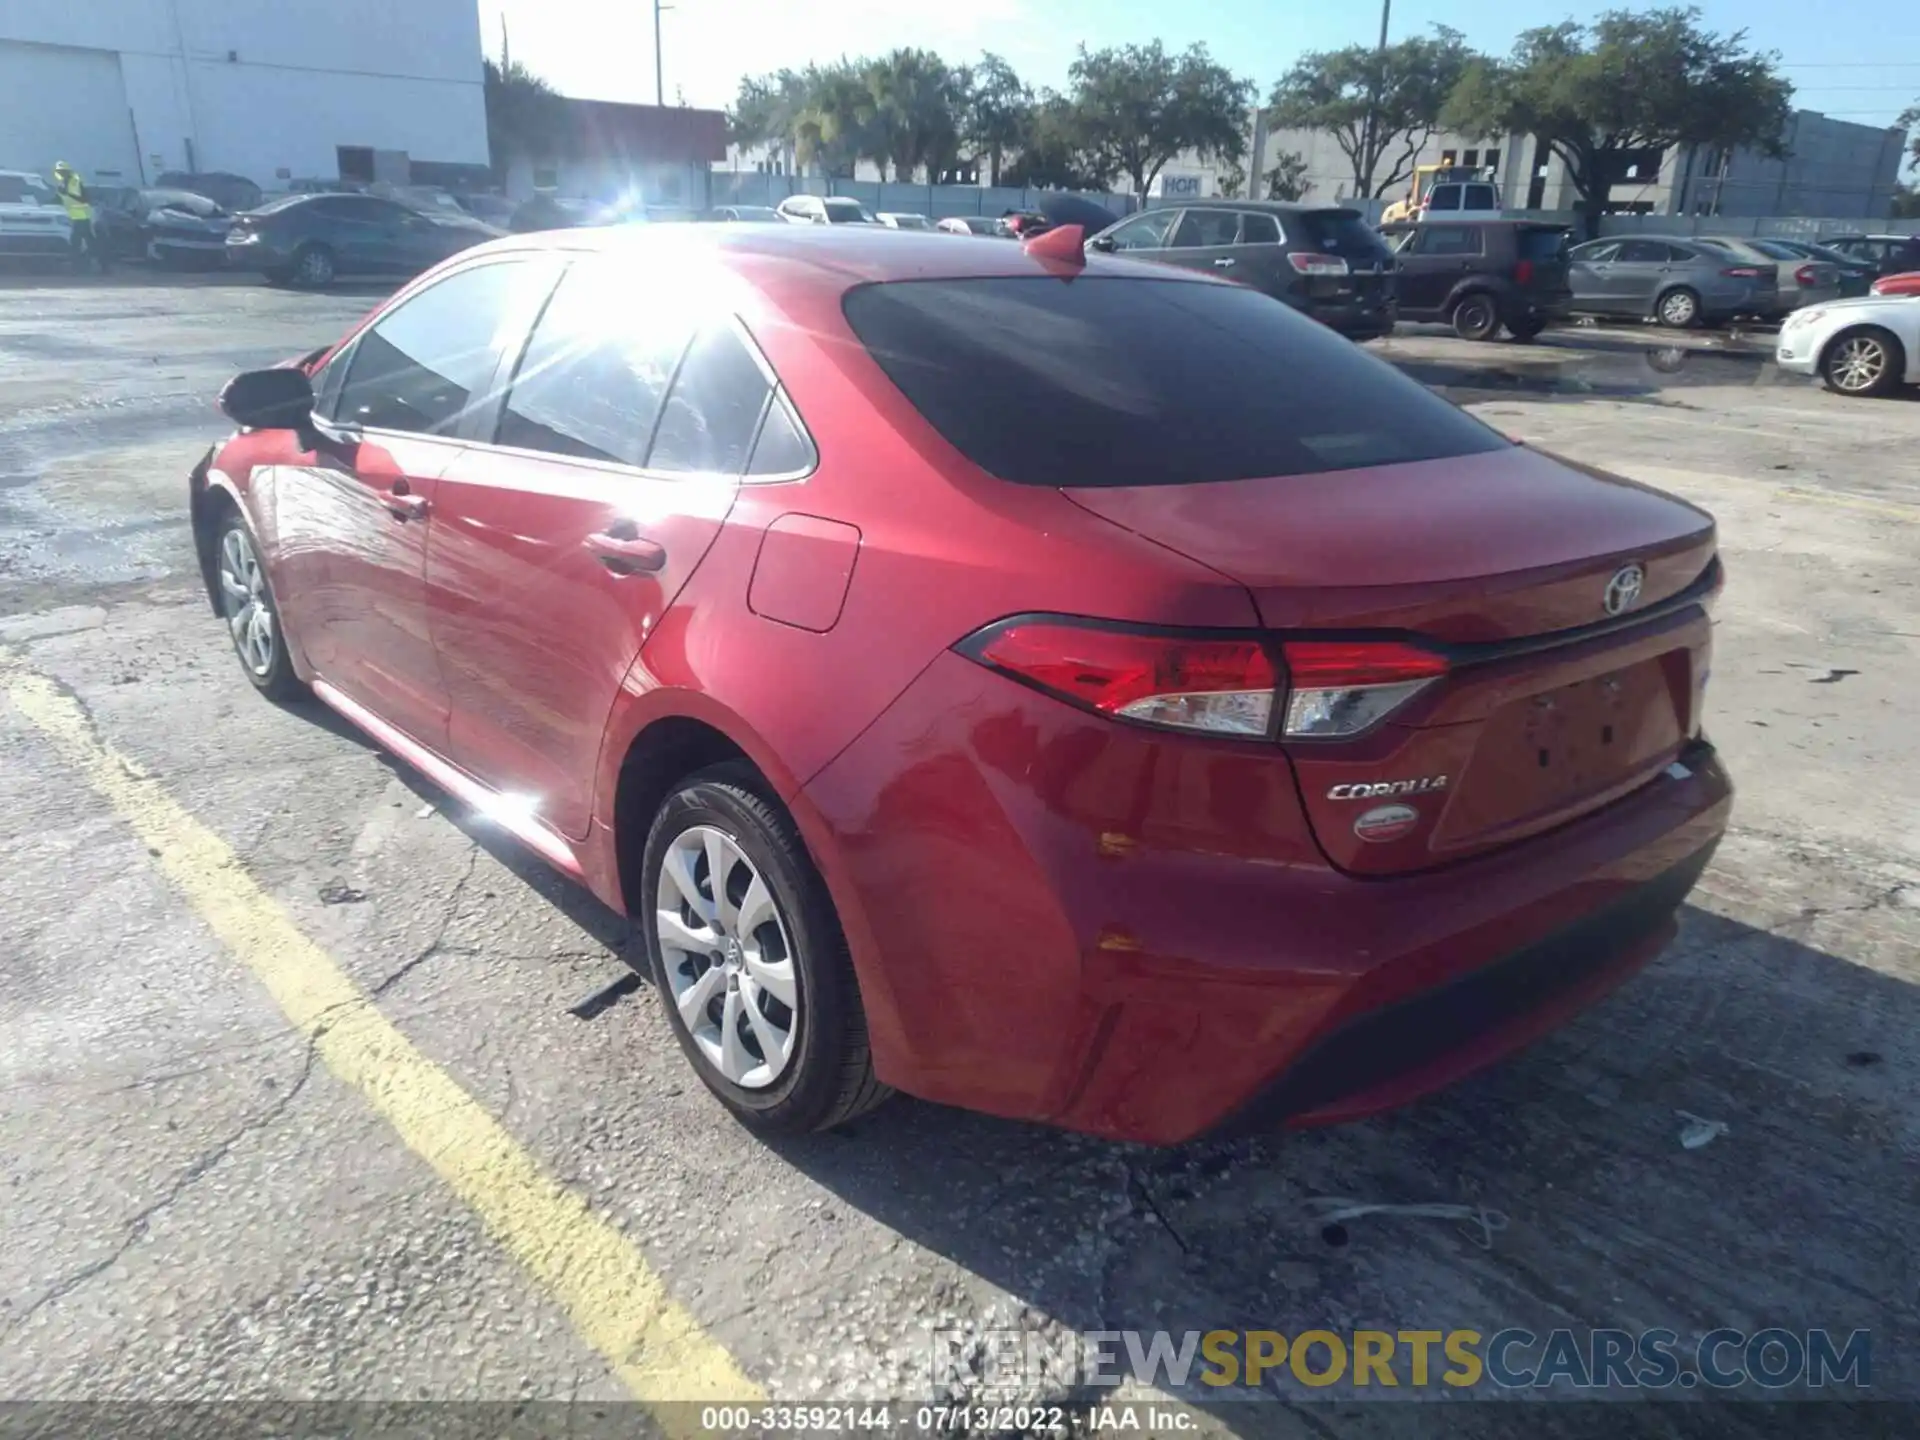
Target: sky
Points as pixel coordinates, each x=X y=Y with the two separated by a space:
x=603 y=49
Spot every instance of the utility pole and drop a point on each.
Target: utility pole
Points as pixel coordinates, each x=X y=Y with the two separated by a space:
x=1373 y=101
x=659 y=68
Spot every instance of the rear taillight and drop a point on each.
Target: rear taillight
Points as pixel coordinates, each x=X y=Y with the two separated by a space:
x=1338 y=688
x=1741 y=272
x=1224 y=687
x=1330 y=689
x=1523 y=273
x=1306 y=262
x=1806 y=275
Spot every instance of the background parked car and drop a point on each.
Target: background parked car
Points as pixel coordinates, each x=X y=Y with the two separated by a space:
x=1906 y=283
x=1856 y=275
x=549 y=212
x=168 y=227
x=231 y=192
x=1888 y=254
x=904 y=220
x=1798 y=280
x=745 y=214
x=31 y=220
x=489 y=209
x=971 y=225
x=1477 y=275
x=309 y=240
x=1324 y=261
x=824 y=210
x=1869 y=346
x=1675 y=280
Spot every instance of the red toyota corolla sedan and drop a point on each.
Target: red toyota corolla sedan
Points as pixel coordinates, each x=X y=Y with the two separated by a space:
x=1058 y=686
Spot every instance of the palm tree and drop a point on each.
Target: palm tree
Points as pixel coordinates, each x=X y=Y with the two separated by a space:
x=835 y=127
x=917 y=105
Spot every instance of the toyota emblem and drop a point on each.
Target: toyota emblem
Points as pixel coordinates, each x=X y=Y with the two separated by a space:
x=1623 y=590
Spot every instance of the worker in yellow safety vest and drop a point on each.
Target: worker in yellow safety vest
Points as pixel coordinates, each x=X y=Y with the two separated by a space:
x=73 y=198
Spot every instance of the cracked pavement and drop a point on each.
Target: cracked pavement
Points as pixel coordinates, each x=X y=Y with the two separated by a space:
x=194 y=1210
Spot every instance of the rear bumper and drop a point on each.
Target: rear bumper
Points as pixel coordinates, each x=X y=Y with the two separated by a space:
x=1060 y=919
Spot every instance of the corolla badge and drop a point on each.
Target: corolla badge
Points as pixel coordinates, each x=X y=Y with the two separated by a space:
x=1623 y=590
x=1386 y=822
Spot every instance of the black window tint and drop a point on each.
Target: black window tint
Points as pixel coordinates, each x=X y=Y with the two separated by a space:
x=783 y=447
x=595 y=368
x=1206 y=227
x=1595 y=251
x=1536 y=243
x=1259 y=229
x=1449 y=240
x=422 y=366
x=1110 y=381
x=1482 y=197
x=1643 y=252
x=1444 y=197
x=713 y=408
x=1339 y=232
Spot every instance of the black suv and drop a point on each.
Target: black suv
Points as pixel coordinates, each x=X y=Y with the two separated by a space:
x=1477 y=275
x=1324 y=261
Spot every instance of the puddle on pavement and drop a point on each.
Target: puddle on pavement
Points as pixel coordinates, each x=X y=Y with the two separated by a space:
x=1642 y=372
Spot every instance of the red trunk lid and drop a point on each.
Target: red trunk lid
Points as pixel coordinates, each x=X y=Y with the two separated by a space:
x=1474 y=555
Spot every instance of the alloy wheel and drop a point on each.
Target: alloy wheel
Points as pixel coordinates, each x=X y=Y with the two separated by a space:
x=1678 y=310
x=1857 y=364
x=315 y=268
x=243 y=600
x=729 y=958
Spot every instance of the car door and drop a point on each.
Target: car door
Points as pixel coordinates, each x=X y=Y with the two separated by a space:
x=1259 y=254
x=1204 y=240
x=1144 y=232
x=615 y=455
x=1588 y=269
x=1636 y=275
x=1440 y=256
x=350 y=524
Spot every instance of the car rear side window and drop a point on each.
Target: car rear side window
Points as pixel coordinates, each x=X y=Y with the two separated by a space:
x=1105 y=381
x=710 y=416
x=1258 y=229
x=784 y=448
x=596 y=368
x=425 y=363
x=1450 y=240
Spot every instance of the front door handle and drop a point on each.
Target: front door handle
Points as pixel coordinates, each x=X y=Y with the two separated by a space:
x=627 y=554
x=1223 y=263
x=402 y=503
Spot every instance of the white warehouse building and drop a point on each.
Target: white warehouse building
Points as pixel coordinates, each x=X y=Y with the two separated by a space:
x=275 y=90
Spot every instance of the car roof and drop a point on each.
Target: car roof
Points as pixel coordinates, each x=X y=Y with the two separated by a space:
x=829 y=258
x=1470 y=218
x=1276 y=207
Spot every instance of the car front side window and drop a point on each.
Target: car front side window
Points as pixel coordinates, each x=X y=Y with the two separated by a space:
x=1144 y=232
x=424 y=365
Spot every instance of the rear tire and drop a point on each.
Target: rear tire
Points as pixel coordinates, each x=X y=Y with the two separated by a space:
x=753 y=972
x=1475 y=317
x=1867 y=361
x=1678 y=309
x=313 y=267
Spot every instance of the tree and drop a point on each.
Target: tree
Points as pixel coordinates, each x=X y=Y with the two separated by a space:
x=1052 y=152
x=999 y=112
x=836 y=126
x=525 y=115
x=1136 y=107
x=918 y=102
x=1233 y=176
x=1909 y=120
x=1906 y=202
x=1602 y=96
x=1405 y=85
x=766 y=108
x=1287 y=179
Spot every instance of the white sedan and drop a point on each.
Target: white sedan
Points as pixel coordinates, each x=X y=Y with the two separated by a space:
x=1865 y=346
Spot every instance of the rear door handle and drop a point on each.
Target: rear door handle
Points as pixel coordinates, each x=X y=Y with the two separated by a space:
x=404 y=506
x=1223 y=262
x=627 y=554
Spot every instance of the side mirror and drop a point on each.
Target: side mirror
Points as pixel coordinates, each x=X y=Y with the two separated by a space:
x=1103 y=243
x=280 y=399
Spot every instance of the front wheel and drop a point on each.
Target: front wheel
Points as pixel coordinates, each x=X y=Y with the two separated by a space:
x=1679 y=309
x=1475 y=317
x=253 y=619
x=1863 y=362
x=313 y=267
x=749 y=961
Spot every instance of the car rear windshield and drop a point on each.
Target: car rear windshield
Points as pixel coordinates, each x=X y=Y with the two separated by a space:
x=1337 y=232
x=1109 y=381
x=1538 y=243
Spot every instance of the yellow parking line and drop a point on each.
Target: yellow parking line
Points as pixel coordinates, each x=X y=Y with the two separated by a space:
x=614 y=1299
x=1909 y=513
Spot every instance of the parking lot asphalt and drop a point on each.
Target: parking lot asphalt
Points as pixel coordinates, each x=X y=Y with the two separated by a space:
x=500 y=1181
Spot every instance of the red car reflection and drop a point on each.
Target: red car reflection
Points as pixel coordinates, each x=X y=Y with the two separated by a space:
x=1067 y=688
